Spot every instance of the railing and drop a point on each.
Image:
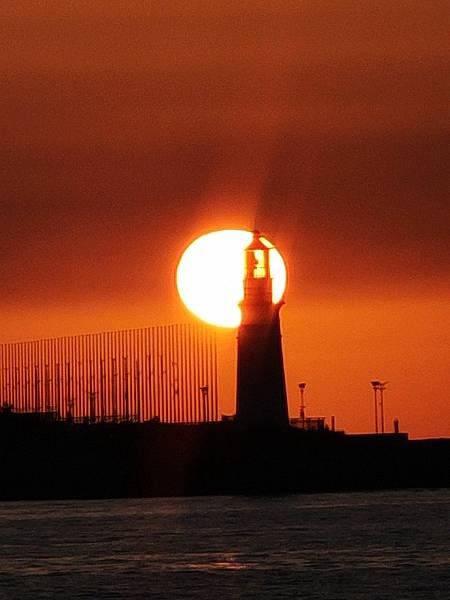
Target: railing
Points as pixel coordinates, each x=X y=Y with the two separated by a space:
x=167 y=372
x=309 y=423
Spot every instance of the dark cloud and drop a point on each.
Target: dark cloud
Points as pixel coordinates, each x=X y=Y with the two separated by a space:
x=127 y=130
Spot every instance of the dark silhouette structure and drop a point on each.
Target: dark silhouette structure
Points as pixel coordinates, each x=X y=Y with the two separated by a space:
x=120 y=415
x=45 y=459
x=167 y=373
x=261 y=388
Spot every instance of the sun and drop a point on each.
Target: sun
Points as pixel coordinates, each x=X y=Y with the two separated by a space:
x=211 y=271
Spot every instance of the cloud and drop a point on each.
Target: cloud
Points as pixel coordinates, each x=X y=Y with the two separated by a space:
x=126 y=131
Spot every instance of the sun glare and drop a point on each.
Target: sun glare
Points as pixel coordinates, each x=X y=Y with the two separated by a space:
x=211 y=271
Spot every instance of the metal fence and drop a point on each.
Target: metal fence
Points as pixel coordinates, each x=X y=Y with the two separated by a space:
x=167 y=372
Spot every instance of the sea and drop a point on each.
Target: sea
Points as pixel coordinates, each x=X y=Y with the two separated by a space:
x=349 y=546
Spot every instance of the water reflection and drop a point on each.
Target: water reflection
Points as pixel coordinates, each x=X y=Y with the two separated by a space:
x=357 y=545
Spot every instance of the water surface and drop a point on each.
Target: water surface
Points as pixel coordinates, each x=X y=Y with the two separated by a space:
x=380 y=545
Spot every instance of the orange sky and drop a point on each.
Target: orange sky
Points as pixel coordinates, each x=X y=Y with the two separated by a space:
x=128 y=130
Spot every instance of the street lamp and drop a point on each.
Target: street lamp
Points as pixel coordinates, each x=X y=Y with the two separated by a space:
x=204 y=390
x=375 y=385
x=382 y=387
x=301 y=387
x=379 y=386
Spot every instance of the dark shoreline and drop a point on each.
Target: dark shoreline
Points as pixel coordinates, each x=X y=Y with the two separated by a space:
x=44 y=459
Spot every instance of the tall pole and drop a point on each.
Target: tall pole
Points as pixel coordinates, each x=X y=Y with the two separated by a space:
x=382 y=387
x=204 y=391
x=301 y=387
x=376 y=387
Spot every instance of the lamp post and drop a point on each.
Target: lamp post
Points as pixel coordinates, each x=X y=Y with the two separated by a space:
x=204 y=390
x=375 y=386
x=381 y=388
x=301 y=387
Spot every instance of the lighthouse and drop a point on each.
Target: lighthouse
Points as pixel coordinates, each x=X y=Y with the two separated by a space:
x=261 y=389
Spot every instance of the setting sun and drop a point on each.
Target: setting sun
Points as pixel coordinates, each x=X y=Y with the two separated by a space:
x=211 y=271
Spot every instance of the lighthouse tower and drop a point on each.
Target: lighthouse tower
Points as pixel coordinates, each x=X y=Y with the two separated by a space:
x=261 y=388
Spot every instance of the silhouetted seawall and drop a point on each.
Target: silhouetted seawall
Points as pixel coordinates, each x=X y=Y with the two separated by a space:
x=53 y=460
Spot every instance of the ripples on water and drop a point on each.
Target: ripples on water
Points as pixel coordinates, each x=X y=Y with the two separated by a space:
x=334 y=546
